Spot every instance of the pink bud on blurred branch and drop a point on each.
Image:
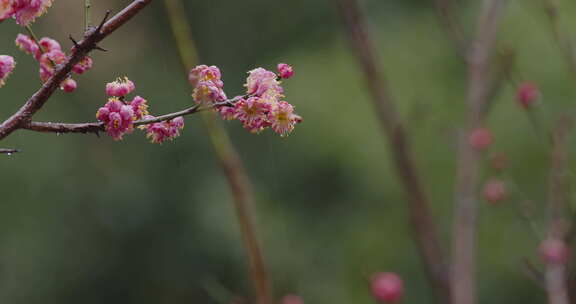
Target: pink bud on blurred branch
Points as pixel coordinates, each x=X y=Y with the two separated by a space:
x=387 y=287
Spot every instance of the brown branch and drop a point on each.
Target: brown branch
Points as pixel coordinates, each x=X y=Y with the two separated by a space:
x=451 y=24
x=464 y=234
x=231 y=163
x=89 y=43
x=423 y=226
x=558 y=198
x=97 y=127
x=533 y=272
x=564 y=41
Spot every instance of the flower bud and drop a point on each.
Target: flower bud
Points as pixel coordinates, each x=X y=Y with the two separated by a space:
x=69 y=85
x=285 y=71
x=498 y=161
x=527 y=93
x=554 y=251
x=292 y=299
x=480 y=138
x=387 y=287
x=7 y=65
x=494 y=191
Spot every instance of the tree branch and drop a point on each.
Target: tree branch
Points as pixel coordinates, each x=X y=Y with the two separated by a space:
x=564 y=41
x=451 y=24
x=558 y=198
x=89 y=43
x=423 y=226
x=97 y=127
x=464 y=231
x=236 y=176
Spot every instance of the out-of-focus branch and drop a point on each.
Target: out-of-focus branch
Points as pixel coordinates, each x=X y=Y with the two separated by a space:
x=504 y=62
x=451 y=24
x=556 y=273
x=97 y=127
x=423 y=226
x=465 y=224
x=564 y=41
x=231 y=163
x=82 y=48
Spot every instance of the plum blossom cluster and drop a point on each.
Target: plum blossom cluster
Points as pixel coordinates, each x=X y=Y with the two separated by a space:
x=119 y=115
x=159 y=132
x=7 y=65
x=49 y=54
x=261 y=107
x=23 y=11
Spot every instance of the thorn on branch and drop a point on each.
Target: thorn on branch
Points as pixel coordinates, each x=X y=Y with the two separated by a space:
x=101 y=25
x=73 y=41
x=99 y=48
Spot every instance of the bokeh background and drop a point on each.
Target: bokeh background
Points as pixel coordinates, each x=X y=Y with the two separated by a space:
x=90 y=220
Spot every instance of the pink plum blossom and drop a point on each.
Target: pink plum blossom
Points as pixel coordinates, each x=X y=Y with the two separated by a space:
x=260 y=108
x=227 y=113
x=208 y=92
x=48 y=53
x=285 y=71
x=84 y=65
x=28 y=46
x=117 y=118
x=282 y=118
x=49 y=44
x=260 y=81
x=120 y=88
x=253 y=113
x=139 y=106
x=159 y=132
x=7 y=65
x=6 y=9
x=24 y=11
x=205 y=73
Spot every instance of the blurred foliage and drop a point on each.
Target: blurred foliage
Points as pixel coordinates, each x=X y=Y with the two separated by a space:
x=85 y=219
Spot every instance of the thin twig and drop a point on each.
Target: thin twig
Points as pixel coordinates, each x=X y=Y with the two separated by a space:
x=533 y=272
x=97 y=127
x=423 y=226
x=451 y=24
x=37 y=41
x=231 y=163
x=463 y=279
x=564 y=41
x=89 y=43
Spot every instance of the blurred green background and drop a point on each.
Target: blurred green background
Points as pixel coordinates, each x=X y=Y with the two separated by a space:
x=89 y=220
